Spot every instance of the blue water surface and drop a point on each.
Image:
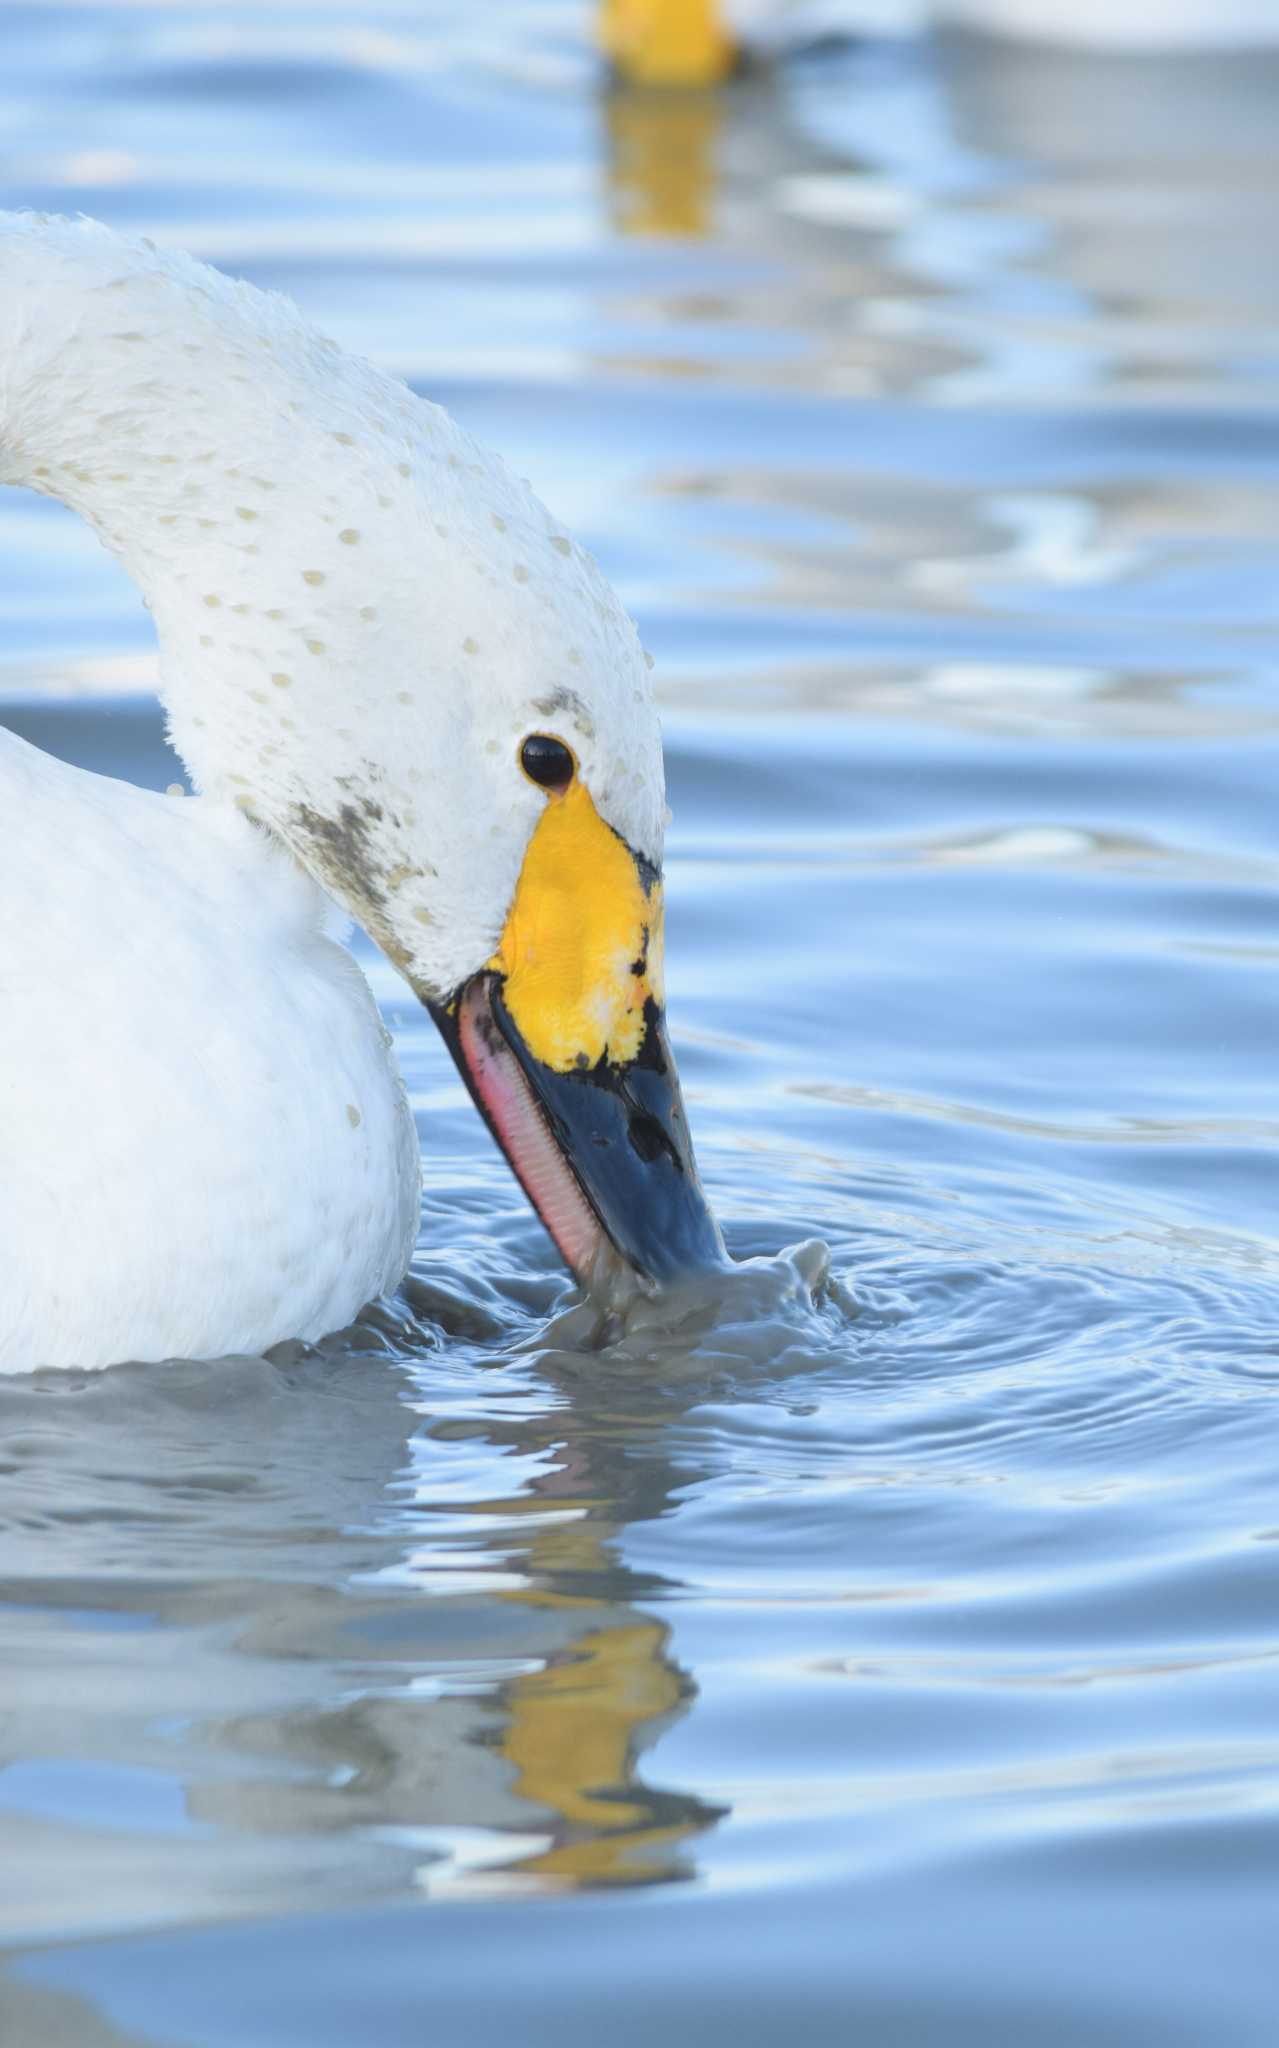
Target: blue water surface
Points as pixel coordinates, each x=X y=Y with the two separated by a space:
x=897 y=1665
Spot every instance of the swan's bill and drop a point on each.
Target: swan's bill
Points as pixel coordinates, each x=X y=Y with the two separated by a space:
x=561 y=1040
x=602 y=1152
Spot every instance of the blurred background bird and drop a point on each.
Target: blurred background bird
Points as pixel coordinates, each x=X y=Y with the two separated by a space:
x=701 y=42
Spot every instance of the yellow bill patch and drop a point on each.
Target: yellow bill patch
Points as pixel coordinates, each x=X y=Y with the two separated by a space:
x=582 y=948
x=667 y=42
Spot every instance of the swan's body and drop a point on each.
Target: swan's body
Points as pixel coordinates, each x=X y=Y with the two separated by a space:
x=1122 y=24
x=206 y=1143
x=361 y=615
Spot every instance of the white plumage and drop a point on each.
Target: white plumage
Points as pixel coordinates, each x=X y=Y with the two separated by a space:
x=1123 y=24
x=206 y=1143
x=770 y=26
x=360 y=613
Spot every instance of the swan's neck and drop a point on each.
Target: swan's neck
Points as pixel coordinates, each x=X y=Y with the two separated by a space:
x=246 y=473
x=359 y=611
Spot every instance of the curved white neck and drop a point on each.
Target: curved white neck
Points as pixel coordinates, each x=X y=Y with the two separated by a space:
x=359 y=610
x=240 y=466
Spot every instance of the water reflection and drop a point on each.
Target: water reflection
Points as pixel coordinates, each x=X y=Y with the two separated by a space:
x=972 y=218
x=600 y=1684
x=1149 y=183
x=361 y=1616
x=662 y=168
x=966 y=221
x=440 y=1671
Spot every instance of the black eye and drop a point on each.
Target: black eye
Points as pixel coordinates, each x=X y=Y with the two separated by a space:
x=547 y=761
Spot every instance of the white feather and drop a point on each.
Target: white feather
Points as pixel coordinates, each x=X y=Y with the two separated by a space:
x=360 y=616
x=769 y=27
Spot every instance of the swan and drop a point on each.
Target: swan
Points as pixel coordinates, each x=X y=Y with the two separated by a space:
x=403 y=695
x=700 y=42
x=1132 y=25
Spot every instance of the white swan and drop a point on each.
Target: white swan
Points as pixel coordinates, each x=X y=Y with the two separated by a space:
x=392 y=679
x=1121 y=25
x=699 y=42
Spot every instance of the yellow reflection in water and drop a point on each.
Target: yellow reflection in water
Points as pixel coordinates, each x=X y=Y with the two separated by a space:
x=577 y=1726
x=662 y=161
x=574 y=1734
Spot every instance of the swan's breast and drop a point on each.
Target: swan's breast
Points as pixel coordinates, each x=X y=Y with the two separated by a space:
x=205 y=1127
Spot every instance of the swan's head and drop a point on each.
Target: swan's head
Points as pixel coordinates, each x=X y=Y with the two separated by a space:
x=378 y=643
x=476 y=773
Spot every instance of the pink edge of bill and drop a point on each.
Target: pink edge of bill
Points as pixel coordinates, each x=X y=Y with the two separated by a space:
x=539 y=1165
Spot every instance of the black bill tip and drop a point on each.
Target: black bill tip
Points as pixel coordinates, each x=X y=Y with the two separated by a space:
x=602 y=1152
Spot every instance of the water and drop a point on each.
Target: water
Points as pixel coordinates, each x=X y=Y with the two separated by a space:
x=895 y=1661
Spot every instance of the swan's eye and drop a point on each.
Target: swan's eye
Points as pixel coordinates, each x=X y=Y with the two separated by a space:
x=547 y=761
